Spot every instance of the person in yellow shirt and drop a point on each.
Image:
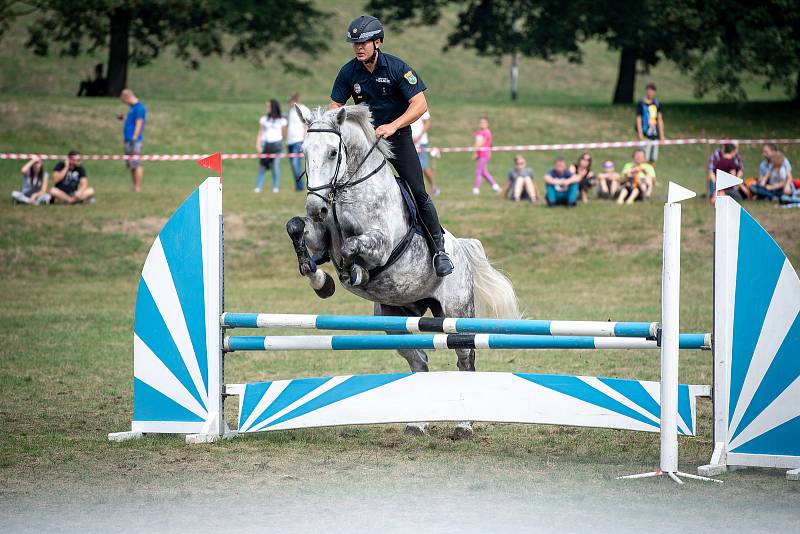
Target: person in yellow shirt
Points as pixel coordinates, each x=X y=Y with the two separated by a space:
x=638 y=178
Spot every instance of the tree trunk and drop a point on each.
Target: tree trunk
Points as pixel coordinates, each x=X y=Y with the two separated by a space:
x=118 y=52
x=626 y=77
x=514 y=74
x=797 y=90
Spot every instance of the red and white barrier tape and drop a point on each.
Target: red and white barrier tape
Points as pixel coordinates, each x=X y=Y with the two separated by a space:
x=433 y=150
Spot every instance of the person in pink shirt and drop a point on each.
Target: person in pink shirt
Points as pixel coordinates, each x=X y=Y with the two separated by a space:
x=483 y=152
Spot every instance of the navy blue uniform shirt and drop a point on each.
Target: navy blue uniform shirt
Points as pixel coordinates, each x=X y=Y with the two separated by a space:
x=386 y=91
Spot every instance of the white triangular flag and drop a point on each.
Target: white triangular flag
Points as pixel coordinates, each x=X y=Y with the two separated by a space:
x=677 y=193
x=726 y=180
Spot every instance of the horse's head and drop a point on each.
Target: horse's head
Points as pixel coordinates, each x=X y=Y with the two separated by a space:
x=337 y=141
x=326 y=158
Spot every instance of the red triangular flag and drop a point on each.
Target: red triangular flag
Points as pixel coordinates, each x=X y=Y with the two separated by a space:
x=213 y=162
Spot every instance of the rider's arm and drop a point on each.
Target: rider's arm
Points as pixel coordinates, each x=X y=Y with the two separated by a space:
x=417 y=105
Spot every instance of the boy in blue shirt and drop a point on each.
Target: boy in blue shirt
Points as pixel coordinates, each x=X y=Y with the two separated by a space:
x=562 y=185
x=133 y=135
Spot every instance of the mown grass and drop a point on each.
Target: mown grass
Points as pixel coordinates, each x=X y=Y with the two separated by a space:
x=68 y=278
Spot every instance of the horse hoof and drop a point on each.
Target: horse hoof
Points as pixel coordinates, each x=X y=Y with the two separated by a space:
x=463 y=431
x=415 y=429
x=358 y=275
x=328 y=287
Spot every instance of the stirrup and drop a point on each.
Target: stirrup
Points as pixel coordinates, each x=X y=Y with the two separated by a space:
x=446 y=257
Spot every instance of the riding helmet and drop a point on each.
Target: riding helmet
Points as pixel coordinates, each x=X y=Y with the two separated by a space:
x=363 y=29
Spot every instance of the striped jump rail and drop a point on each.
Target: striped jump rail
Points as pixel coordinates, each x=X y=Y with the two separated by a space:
x=451 y=341
x=415 y=325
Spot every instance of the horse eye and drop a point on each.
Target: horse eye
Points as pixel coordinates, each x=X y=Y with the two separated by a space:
x=332 y=153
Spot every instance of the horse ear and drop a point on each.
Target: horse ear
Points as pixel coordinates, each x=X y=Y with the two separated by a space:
x=341 y=116
x=299 y=112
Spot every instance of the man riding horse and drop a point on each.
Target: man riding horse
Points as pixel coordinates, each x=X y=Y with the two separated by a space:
x=395 y=96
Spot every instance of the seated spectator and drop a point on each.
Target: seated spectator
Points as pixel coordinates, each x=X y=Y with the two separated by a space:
x=638 y=178
x=583 y=168
x=520 y=182
x=608 y=181
x=713 y=159
x=70 y=182
x=730 y=162
x=791 y=194
x=562 y=186
x=770 y=186
x=34 y=184
x=773 y=172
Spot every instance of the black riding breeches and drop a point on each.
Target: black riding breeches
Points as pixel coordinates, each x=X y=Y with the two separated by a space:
x=406 y=163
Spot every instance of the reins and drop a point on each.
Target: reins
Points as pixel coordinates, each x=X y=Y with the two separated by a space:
x=336 y=188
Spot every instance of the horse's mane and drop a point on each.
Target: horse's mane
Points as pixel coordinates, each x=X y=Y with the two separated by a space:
x=359 y=116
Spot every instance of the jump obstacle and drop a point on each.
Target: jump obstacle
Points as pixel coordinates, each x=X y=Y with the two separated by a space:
x=180 y=346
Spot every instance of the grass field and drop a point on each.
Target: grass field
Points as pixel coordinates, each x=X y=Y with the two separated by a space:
x=69 y=275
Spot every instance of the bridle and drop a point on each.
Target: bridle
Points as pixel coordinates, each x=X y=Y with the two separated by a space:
x=334 y=186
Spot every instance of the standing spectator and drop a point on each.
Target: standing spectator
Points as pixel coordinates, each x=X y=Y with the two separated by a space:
x=271 y=129
x=34 y=184
x=295 y=133
x=133 y=135
x=730 y=162
x=638 y=178
x=70 y=183
x=713 y=161
x=419 y=134
x=583 y=169
x=561 y=184
x=771 y=185
x=520 y=181
x=483 y=152
x=650 y=122
x=608 y=181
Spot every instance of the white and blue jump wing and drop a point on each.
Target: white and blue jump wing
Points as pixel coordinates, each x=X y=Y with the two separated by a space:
x=759 y=337
x=176 y=328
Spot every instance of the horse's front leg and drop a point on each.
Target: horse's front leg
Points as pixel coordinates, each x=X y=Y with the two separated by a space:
x=372 y=248
x=304 y=233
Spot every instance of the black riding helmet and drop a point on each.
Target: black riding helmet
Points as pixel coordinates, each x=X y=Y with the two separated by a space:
x=363 y=29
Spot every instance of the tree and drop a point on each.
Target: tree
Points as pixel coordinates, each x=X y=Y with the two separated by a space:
x=643 y=30
x=749 y=38
x=135 y=31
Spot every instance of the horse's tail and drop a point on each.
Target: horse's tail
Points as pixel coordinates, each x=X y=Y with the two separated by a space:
x=494 y=294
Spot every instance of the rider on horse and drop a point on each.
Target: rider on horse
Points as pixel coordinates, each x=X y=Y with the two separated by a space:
x=395 y=96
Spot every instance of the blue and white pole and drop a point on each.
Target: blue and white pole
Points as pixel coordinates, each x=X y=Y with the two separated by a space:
x=442 y=325
x=450 y=341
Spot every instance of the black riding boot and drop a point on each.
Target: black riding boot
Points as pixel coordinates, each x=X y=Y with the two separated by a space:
x=430 y=219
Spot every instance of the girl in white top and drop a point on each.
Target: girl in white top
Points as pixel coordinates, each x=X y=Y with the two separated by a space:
x=271 y=129
x=419 y=134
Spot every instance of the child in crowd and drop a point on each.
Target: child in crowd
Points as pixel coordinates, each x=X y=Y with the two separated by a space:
x=730 y=162
x=271 y=130
x=34 y=184
x=583 y=169
x=771 y=184
x=482 y=154
x=520 y=181
x=638 y=178
x=608 y=181
x=561 y=184
x=70 y=183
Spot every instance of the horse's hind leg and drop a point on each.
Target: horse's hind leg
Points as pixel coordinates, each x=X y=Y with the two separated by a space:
x=417 y=360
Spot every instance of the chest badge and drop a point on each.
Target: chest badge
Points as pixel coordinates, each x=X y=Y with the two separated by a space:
x=409 y=76
x=356 y=88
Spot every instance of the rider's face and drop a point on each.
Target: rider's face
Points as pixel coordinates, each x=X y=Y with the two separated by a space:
x=364 y=51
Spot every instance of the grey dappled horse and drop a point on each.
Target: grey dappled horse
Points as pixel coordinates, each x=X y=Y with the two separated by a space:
x=356 y=217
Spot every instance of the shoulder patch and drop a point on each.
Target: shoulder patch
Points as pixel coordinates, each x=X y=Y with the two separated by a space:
x=410 y=78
